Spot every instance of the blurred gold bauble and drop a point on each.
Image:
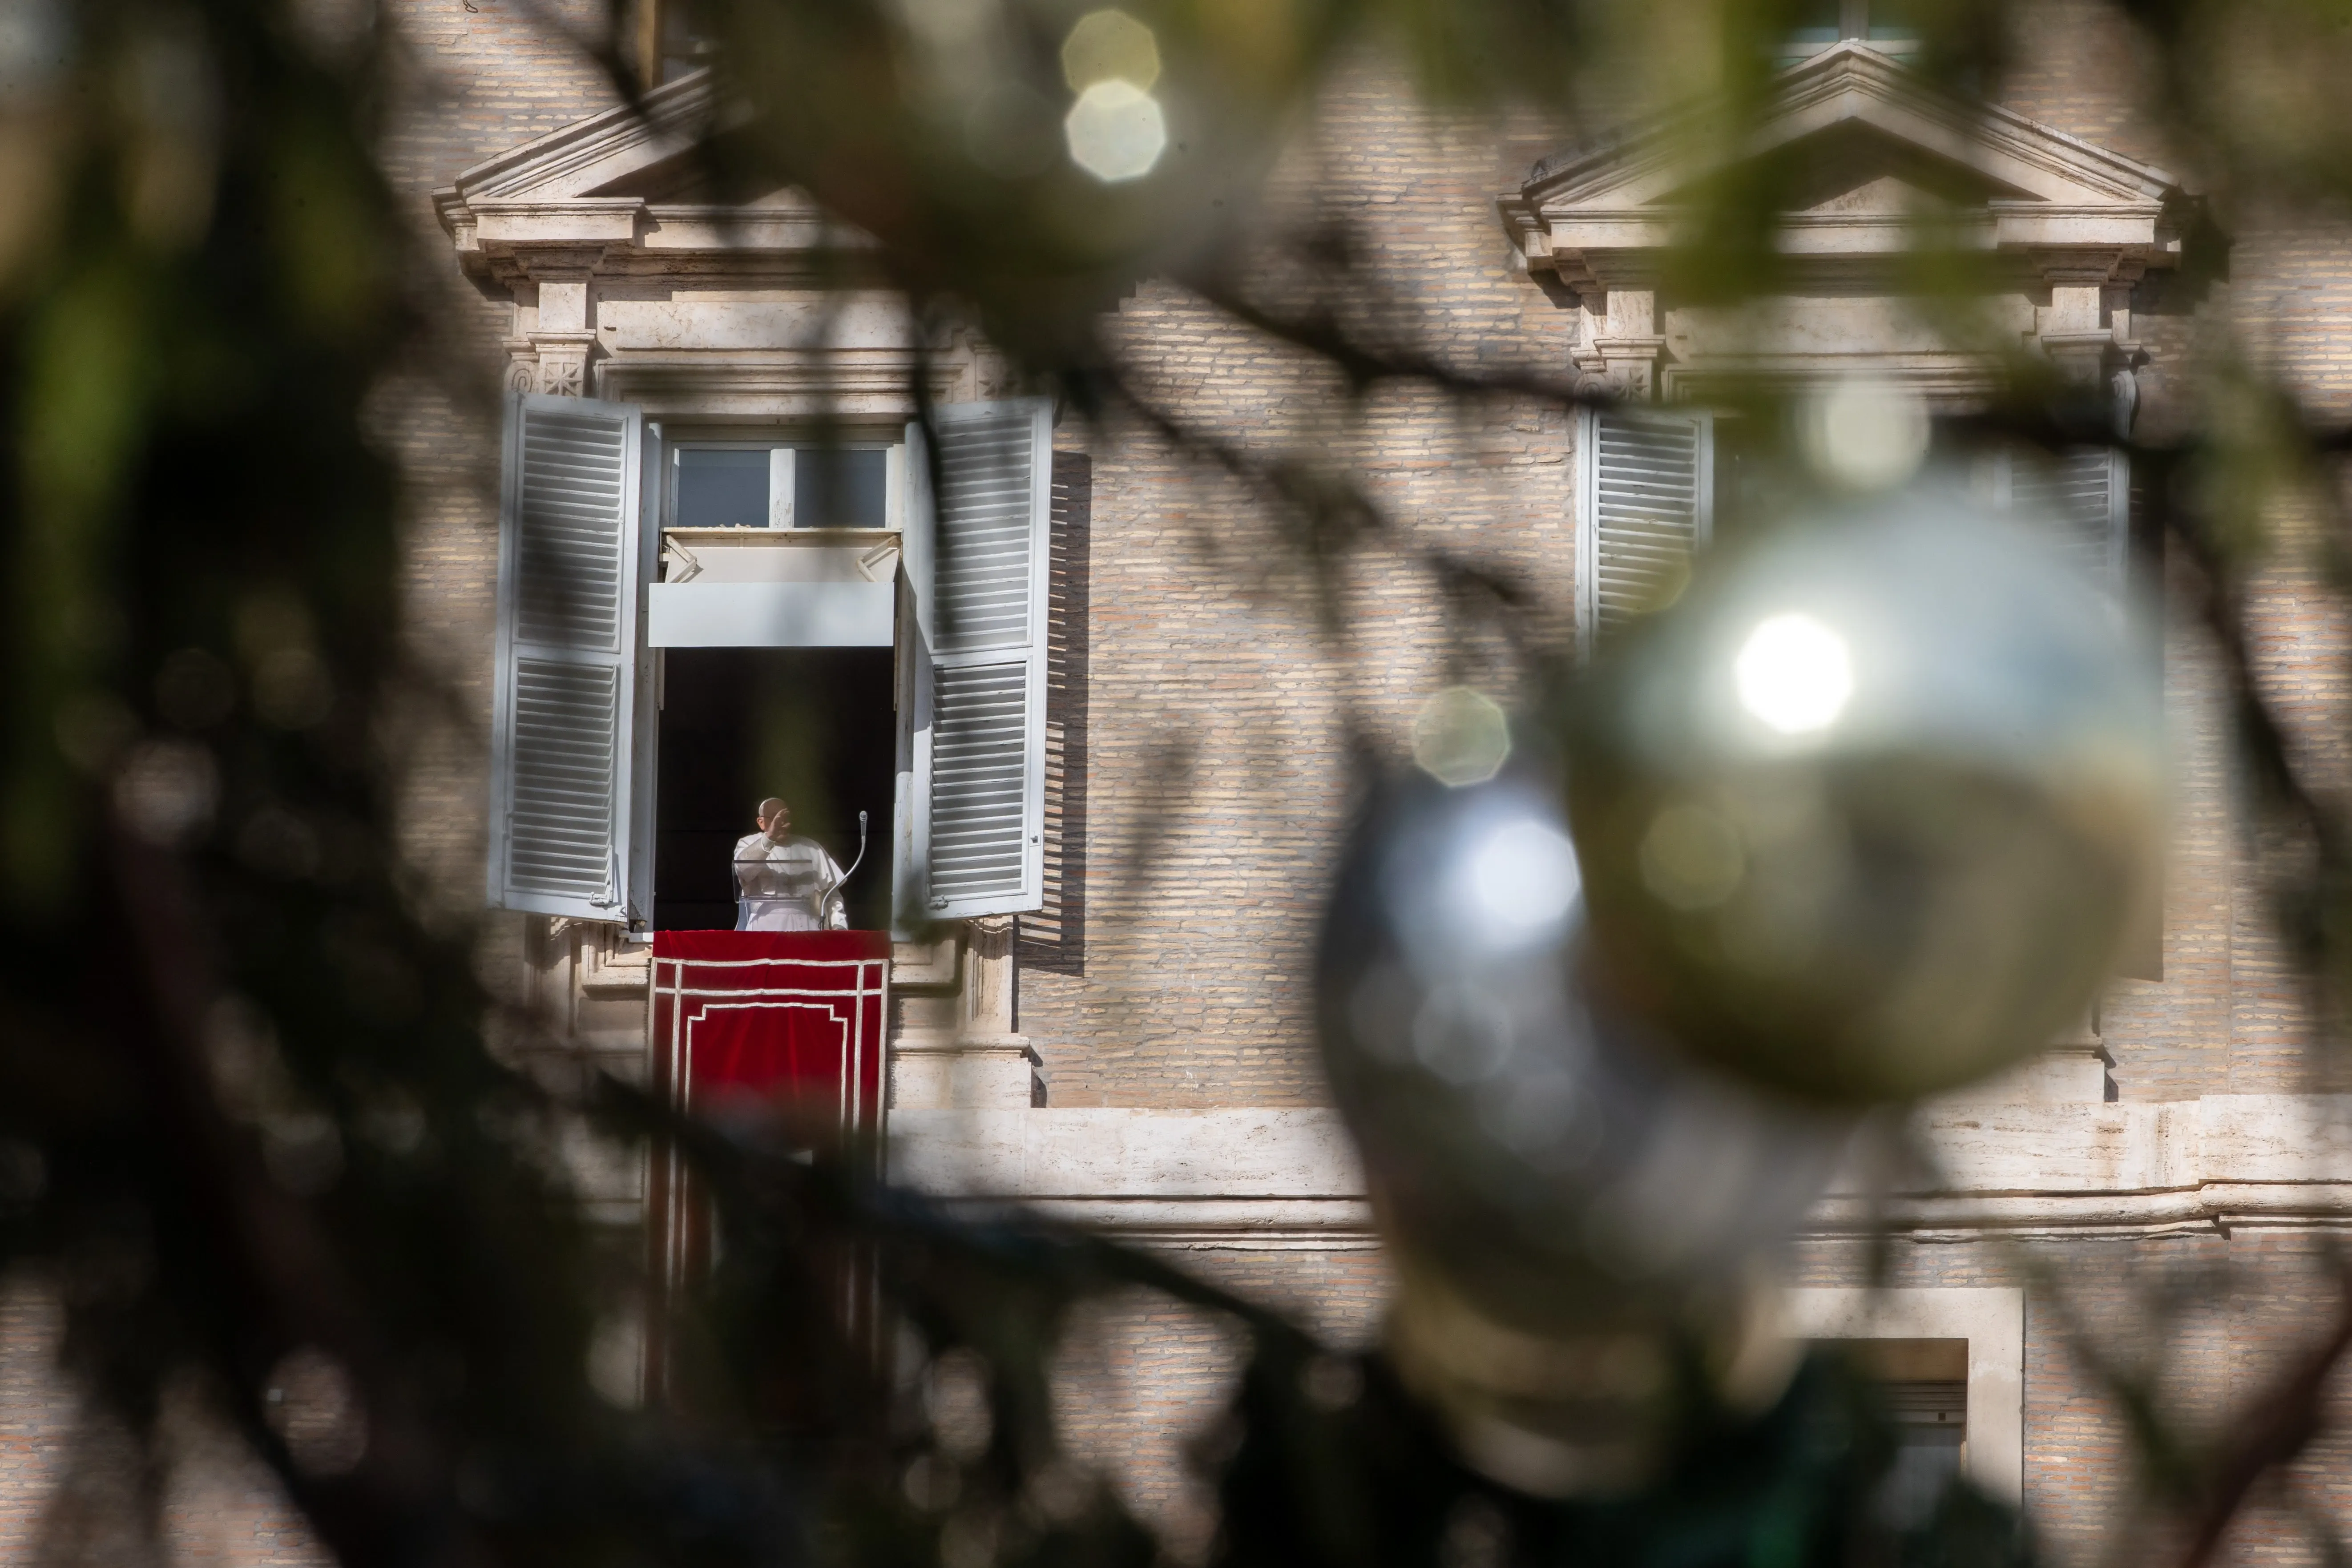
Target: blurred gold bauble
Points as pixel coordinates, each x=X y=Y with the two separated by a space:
x=1586 y=1225
x=1869 y=812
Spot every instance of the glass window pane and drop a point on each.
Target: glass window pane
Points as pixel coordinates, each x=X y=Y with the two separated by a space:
x=1817 y=22
x=836 y=487
x=1894 y=19
x=721 y=487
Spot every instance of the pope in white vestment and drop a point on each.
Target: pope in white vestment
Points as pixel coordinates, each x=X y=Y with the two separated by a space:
x=785 y=883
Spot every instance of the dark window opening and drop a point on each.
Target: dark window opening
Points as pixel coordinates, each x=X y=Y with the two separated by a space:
x=1923 y=1385
x=813 y=725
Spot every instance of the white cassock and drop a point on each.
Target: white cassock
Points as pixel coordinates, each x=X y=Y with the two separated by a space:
x=791 y=885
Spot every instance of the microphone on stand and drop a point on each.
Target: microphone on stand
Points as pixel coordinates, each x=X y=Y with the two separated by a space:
x=861 y=854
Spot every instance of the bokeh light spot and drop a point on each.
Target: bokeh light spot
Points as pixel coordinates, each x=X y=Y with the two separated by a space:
x=1115 y=131
x=1461 y=737
x=1692 y=858
x=1794 y=674
x=1110 y=46
x=1867 y=435
x=1526 y=876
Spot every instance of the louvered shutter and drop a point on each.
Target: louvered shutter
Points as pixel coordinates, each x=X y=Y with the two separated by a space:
x=977 y=554
x=1646 y=508
x=2084 y=491
x=566 y=786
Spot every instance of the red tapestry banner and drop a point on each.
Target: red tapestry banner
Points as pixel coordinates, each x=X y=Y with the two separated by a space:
x=760 y=1023
x=792 y=1020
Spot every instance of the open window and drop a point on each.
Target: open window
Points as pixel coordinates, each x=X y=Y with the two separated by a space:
x=688 y=624
x=1648 y=493
x=1648 y=487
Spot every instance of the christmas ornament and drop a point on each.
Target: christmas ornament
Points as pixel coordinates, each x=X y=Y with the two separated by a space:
x=1584 y=1223
x=1868 y=814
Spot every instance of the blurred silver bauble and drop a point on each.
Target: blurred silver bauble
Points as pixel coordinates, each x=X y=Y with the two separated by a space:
x=1870 y=812
x=1585 y=1225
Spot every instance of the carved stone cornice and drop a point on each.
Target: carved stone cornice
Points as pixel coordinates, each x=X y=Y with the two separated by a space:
x=2062 y=221
x=1622 y=200
x=600 y=198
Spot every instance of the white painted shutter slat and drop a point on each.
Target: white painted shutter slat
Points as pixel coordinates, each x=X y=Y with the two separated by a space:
x=980 y=815
x=1646 y=509
x=562 y=773
x=2082 y=491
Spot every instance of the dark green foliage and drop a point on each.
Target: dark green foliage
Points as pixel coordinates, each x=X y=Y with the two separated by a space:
x=254 y=1101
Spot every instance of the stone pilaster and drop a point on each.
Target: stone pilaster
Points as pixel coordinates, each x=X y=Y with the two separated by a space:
x=1625 y=345
x=2086 y=329
x=563 y=340
x=954 y=1046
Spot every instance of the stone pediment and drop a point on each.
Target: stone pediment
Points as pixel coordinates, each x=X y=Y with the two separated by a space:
x=1869 y=156
x=1854 y=167
x=1868 y=162
x=624 y=192
x=633 y=274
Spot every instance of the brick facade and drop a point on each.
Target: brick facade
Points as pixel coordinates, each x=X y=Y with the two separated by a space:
x=1203 y=720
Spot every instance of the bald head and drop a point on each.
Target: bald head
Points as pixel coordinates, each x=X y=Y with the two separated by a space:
x=776 y=817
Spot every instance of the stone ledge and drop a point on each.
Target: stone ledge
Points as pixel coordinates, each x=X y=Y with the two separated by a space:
x=2218 y=1163
x=1097 y=1153
x=962 y=1074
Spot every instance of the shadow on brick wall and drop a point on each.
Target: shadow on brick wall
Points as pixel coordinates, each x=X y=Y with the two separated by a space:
x=1052 y=941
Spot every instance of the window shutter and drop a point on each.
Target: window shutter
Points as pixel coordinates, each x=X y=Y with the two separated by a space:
x=1647 y=495
x=565 y=779
x=2085 y=491
x=976 y=555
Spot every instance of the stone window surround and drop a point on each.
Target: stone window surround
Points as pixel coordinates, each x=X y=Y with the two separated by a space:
x=1991 y=1318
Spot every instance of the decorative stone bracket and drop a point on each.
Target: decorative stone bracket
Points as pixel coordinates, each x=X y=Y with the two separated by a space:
x=1618 y=345
x=562 y=341
x=953 y=1043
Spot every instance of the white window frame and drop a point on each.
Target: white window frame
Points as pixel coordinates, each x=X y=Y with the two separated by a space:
x=1991 y=1318
x=1852 y=27
x=781 y=441
x=781 y=445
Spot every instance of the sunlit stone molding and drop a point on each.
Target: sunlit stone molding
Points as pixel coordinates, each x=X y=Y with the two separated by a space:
x=1884 y=159
x=1289 y=1178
